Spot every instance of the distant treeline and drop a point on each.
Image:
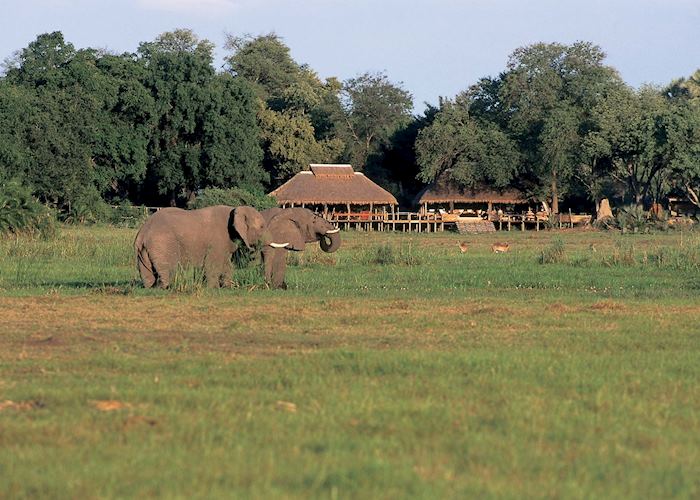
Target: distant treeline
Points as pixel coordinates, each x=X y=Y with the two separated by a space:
x=84 y=127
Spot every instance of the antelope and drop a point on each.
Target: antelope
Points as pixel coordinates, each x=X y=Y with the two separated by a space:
x=500 y=247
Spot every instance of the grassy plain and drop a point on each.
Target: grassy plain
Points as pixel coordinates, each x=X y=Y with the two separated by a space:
x=397 y=367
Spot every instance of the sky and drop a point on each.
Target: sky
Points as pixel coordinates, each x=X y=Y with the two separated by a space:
x=432 y=48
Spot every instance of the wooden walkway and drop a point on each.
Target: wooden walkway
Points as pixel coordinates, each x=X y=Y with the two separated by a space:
x=430 y=223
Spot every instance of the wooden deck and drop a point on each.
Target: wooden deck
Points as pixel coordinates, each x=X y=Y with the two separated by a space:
x=436 y=222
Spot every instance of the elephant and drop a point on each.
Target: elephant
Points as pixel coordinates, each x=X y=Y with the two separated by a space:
x=205 y=238
x=293 y=228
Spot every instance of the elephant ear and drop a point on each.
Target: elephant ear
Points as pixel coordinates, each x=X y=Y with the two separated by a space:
x=248 y=224
x=285 y=230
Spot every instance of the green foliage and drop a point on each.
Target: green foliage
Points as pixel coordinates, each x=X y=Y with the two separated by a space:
x=633 y=218
x=88 y=207
x=375 y=108
x=550 y=91
x=471 y=153
x=554 y=253
x=390 y=254
x=21 y=213
x=231 y=153
x=157 y=126
x=233 y=197
x=298 y=113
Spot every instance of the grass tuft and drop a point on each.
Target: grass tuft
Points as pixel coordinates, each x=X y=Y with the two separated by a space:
x=554 y=253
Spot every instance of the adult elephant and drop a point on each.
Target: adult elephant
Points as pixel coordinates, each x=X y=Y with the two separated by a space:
x=205 y=238
x=296 y=227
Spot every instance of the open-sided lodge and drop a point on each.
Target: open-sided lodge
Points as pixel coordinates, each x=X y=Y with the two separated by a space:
x=478 y=209
x=350 y=199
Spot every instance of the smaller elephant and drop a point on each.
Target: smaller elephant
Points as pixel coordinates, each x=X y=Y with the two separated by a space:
x=293 y=228
x=204 y=238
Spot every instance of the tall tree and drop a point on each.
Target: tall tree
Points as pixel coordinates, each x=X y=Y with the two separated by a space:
x=297 y=112
x=179 y=71
x=547 y=93
x=645 y=135
x=17 y=105
x=471 y=152
x=231 y=151
x=88 y=122
x=684 y=99
x=374 y=109
x=398 y=162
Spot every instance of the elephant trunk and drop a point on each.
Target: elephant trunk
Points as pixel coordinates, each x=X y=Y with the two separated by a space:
x=330 y=242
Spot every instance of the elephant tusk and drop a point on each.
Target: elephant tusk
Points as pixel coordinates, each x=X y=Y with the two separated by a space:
x=279 y=245
x=333 y=231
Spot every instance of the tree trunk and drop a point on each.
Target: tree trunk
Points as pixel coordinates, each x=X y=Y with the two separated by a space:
x=555 y=193
x=692 y=195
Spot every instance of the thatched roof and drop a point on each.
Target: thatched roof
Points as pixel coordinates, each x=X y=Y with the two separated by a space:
x=445 y=191
x=332 y=185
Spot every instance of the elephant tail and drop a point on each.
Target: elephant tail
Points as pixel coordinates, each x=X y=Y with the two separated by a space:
x=144 y=264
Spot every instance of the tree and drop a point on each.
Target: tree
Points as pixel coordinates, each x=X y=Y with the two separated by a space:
x=41 y=61
x=470 y=151
x=297 y=112
x=374 y=109
x=397 y=162
x=231 y=151
x=647 y=138
x=17 y=104
x=85 y=131
x=546 y=96
x=684 y=135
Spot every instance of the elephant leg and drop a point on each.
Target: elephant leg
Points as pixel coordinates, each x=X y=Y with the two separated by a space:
x=226 y=276
x=275 y=262
x=145 y=267
x=267 y=257
x=275 y=267
x=217 y=269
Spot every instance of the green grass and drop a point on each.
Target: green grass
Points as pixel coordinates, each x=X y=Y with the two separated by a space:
x=396 y=367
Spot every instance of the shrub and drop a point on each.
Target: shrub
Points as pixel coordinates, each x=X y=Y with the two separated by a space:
x=233 y=197
x=88 y=207
x=388 y=254
x=124 y=214
x=685 y=257
x=623 y=255
x=188 y=279
x=634 y=219
x=20 y=212
x=553 y=253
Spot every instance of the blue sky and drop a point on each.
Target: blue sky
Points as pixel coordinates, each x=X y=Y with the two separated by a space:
x=435 y=48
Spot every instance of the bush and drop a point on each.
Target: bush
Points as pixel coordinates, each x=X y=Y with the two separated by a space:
x=233 y=197
x=554 y=253
x=124 y=214
x=88 y=207
x=388 y=254
x=624 y=254
x=20 y=212
x=634 y=219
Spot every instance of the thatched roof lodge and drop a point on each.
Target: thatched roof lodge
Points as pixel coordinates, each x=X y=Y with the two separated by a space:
x=444 y=192
x=336 y=186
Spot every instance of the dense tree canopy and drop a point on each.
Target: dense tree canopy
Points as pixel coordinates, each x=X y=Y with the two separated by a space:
x=297 y=112
x=81 y=127
x=472 y=152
